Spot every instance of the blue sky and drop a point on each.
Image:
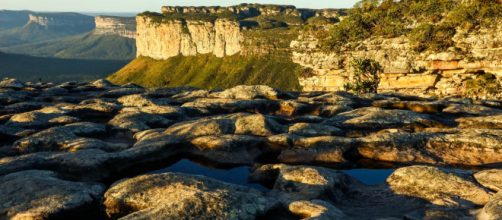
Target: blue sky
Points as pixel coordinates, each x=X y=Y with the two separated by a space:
x=151 y=5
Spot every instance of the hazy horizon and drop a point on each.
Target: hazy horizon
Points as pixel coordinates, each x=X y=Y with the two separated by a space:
x=135 y=6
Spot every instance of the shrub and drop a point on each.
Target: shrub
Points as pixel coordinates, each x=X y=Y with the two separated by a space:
x=484 y=84
x=366 y=76
x=430 y=24
x=432 y=37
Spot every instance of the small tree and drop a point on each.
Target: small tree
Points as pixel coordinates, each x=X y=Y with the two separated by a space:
x=366 y=78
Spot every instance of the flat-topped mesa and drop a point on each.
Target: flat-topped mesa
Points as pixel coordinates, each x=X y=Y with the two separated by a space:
x=121 y=26
x=60 y=20
x=222 y=31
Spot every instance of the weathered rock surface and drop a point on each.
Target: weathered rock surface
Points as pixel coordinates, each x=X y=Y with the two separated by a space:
x=316 y=210
x=302 y=182
x=180 y=196
x=102 y=132
x=377 y=118
x=491 y=179
x=36 y=194
x=493 y=209
x=437 y=186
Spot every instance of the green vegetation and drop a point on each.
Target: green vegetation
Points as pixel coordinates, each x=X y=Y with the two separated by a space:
x=208 y=71
x=429 y=24
x=83 y=46
x=366 y=77
x=485 y=83
x=28 y=68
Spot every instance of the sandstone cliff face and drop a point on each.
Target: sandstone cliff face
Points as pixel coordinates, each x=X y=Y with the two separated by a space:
x=162 y=40
x=107 y=25
x=59 y=20
x=405 y=71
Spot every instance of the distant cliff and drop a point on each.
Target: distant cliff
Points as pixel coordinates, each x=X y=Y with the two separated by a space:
x=121 y=26
x=69 y=21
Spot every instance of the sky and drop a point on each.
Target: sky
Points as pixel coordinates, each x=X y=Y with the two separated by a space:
x=152 y=5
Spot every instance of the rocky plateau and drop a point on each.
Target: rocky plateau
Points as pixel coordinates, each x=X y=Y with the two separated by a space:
x=89 y=151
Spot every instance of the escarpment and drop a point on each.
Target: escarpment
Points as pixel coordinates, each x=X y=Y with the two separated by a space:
x=188 y=38
x=469 y=66
x=121 y=26
x=445 y=73
x=222 y=31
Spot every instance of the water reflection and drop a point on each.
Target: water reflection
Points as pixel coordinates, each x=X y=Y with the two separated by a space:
x=237 y=175
x=370 y=176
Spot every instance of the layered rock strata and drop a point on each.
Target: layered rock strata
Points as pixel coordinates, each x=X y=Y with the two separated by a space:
x=188 y=38
x=405 y=71
x=121 y=26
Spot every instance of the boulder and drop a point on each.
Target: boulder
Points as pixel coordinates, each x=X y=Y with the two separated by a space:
x=248 y=93
x=39 y=119
x=92 y=108
x=488 y=122
x=466 y=146
x=138 y=121
x=376 y=118
x=181 y=196
x=170 y=112
x=437 y=186
x=72 y=137
x=36 y=194
x=325 y=149
x=493 y=209
x=140 y=100
x=315 y=210
x=491 y=179
x=229 y=149
x=396 y=146
x=202 y=127
x=293 y=183
x=218 y=105
x=257 y=124
x=313 y=130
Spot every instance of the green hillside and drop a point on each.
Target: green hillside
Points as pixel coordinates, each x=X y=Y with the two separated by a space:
x=28 y=68
x=208 y=71
x=83 y=46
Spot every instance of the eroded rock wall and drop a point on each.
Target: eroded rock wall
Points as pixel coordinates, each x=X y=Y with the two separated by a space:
x=162 y=40
x=405 y=71
x=107 y=25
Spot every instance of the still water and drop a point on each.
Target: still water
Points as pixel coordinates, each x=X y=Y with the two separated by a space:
x=239 y=175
